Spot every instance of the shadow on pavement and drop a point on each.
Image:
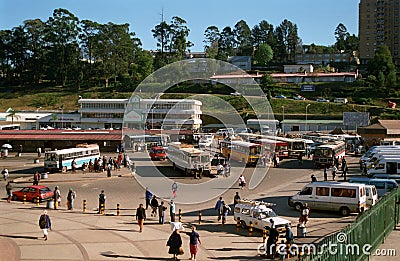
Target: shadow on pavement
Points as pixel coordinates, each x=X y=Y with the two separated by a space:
x=114 y=255
x=24 y=237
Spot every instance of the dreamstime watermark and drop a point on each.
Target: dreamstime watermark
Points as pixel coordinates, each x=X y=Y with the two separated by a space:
x=341 y=247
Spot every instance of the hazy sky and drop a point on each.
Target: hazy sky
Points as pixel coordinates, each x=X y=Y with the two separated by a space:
x=316 y=19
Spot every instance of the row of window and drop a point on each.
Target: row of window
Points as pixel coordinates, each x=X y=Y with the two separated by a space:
x=103 y=115
x=102 y=106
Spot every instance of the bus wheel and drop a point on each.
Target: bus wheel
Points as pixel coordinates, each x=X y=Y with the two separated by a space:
x=243 y=224
x=64 y=169
x=344 y=211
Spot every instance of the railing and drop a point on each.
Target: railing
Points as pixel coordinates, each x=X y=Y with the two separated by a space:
x=361 y=238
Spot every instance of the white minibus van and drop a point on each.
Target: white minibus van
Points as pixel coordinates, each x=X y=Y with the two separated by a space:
x=385 y=166
x=335 y=196
x=375 y=149
x=383 y=186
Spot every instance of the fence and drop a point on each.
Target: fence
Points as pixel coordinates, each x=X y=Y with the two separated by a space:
x=357 y=241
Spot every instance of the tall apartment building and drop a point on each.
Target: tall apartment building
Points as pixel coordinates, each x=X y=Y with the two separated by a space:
x=379 y=24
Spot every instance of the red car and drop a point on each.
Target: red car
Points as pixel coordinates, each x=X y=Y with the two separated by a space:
x=157 y=153
x=32 y=192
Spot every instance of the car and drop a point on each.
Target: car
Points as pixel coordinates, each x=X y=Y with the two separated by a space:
x=340 y=100
x=236 y=94
x=298 y=97
x=322 y=100
x=280 y=96
x=243 y=130
x=32 y=192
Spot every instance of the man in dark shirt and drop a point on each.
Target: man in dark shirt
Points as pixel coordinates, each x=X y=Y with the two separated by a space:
x=140 y=217
x=272 y=239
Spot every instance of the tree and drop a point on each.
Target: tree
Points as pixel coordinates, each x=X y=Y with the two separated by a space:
x=287 y=40
x=13 y=114
x=382 y=61
x=179 y=43
x=264 y=54
x=341 y=34
x=90 y=31
x=212 y=38
x=242 y=34
x=226 y=44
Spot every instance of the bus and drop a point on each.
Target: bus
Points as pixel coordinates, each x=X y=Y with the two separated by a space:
x=60 y=160
x=324 y=154
x=188 y=158
x=296 y=147
x=279 y=148
x=245 y=152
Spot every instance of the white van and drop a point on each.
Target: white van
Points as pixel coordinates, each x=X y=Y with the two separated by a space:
x=226 y=131
x=206 y=140
x=385 y=166
x=373 y=161
x=371 y=194
x=259 y=214
x=340 y=100
x=375 y=149
x=335 y=196
x=382 y=186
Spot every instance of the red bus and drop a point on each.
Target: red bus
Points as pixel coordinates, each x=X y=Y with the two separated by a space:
x=280 y=148
x=157 y=153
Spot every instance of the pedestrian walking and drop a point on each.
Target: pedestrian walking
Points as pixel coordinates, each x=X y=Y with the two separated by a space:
x=218 y=207
x=148 y=196
x=175 y=244
x=70 y=199
x=161 y=212
x=9 y=191
x=289 y=234
x=174 y=189
x=334 y=171
x=271 y=241
x=313 y=178
x=45 y=224
x=140 y=217
x=194 y=243
x=57 y=197
x=236 y=199
x=154 y=206
x=36 y=178
x=346 y=169
x=172 y=210
x=242 y=181
x=326 y=173
x=300 y=159
x=304 y=213
x=225 y=211
x=5 y=174
x=20 y=151
x=73 y=166
x=39 y=152
x=102 y=201
x=227 y=169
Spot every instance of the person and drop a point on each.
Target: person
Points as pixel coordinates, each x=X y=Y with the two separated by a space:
x=5 y=174
x=220 y=169
x=305 y=211
x=36 y=178
x=57 y=197
x=102 y=201
x=20 y=151
x=70 y=199
x=175 y=244
x=236 y=199
x=161 y=212
x=344 y=163
x=300 y=159
x=218 y=207
x=227 y=169
x=346 y=169
x=140 y=217
x=277 y=162
x=242 y=181
x=148 y=196
x=194 y=243
x=9 y=191
x=289 y=235
x=73 y=166
x=174 y=189
x=154 y=206
x=272 y=239
x=45 y=224
x=313 y=178
x=225 y=211
x=334 y=170
x=39 y=152
x=172 y=210
x=326 y=173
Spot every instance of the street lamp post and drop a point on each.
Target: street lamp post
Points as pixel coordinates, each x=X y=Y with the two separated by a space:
x=152 y=116
x=283 y=119
x=306 y=117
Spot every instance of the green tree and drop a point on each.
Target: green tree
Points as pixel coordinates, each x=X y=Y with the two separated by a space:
x=242 y=34
x=264 y=54
x=212 y=38
x=162 y=33
x=13 y=114
x=179 y=42
x=226 y=44
x=341 y=34
x=382 y=62
x=381 y=80
x=288 y=41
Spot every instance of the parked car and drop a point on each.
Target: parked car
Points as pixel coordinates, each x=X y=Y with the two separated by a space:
x=340 y=100
x=157 y=153
x=280 y=96
x=298 y=97
x=322 y=100
x=236 y=94
x=32 y=192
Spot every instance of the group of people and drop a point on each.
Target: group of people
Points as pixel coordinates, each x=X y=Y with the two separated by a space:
x=223 y=209
x=223 y=170
x=71 y=196
x=175 y=243
x=335 y=169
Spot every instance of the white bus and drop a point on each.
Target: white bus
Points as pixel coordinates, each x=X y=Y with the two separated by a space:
x=188 y=159
x=60 y=160
x=325 y=154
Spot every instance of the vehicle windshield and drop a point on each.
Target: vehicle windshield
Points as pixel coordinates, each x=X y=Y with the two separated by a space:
x=323 y=153
x=268 y=214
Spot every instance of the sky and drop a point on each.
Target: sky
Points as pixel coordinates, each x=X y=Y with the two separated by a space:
x=316 y=19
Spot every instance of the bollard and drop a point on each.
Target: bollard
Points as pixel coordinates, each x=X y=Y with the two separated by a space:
x=300 y=254
x=37 y=201
x=250 y=229
x=288 y=250
x=24 y=198
x=238 y=225
x=199 y=217
x=264 y=235
x=84 y=206
x=55 y=204
x=118 y=211
x=180 y=215
x=102 y=208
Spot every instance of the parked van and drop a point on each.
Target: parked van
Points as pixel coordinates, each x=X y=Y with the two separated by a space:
x=374 y=149
x=372 y=195
x=335 y=196
x=380 y=157
x=206 y=140
x=340 y=100
x=383 y=186
x=388 y=176
x=226 y=131
x=385 y=166
x=259 y=214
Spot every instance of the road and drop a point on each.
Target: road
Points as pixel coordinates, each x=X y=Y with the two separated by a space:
x=123 y=188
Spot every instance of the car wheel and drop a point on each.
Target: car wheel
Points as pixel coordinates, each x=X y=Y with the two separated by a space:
x=298 y=206
x=243 y=224
x=14 y=197
x=344 y=211
x=64 y=169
